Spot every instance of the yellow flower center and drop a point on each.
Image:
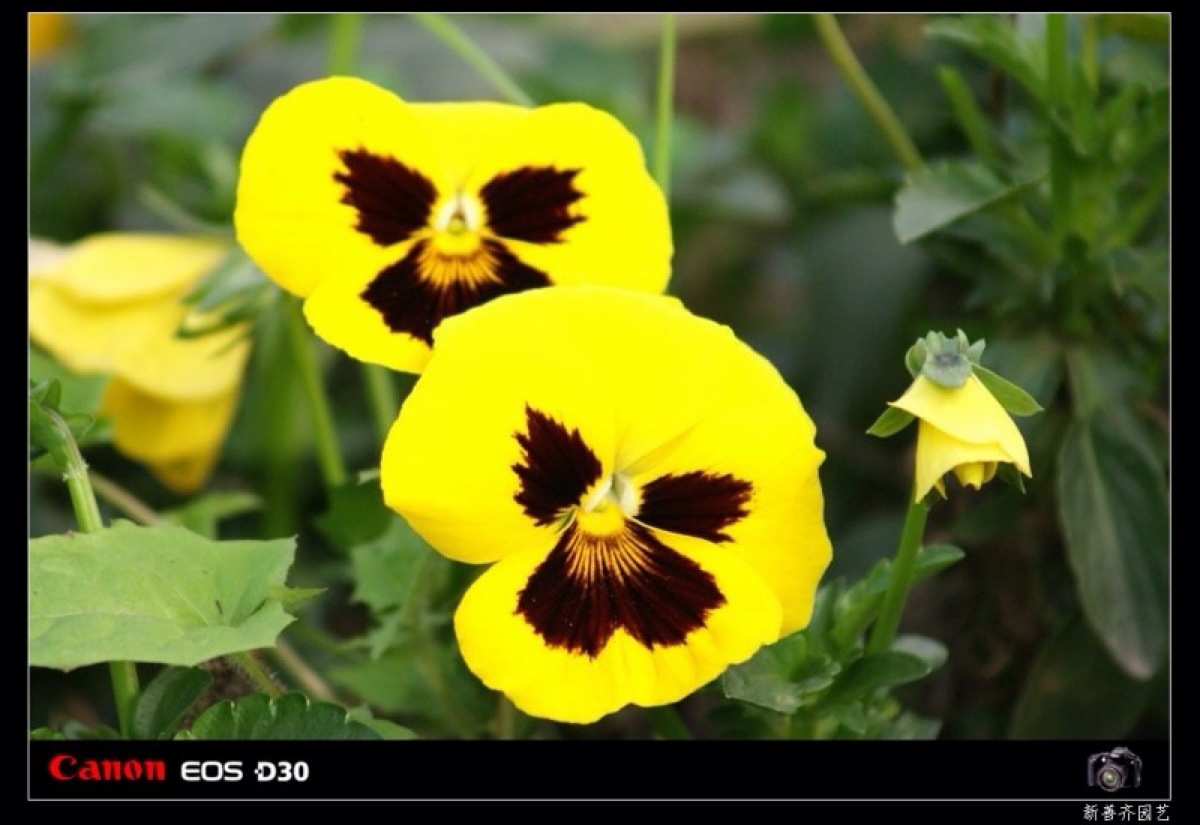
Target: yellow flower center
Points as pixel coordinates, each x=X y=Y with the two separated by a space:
x=457 y=225
x=604 y=512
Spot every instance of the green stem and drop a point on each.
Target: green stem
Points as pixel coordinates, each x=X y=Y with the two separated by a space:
x=464 y=47
x=123 y=500
x=970 y=116
x=343 y=42
x=62 y=446
x=666 y=98
x=257 y=673
x=302 y=672
x=506 y=719
x=427 y=663
x=381 y=397
x=329 y=454
x=667 y=723
x=877 y=108
x=903 y=568
x=1058 y=87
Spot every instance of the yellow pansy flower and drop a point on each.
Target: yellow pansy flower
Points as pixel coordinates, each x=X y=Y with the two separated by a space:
x=112 y=304
x=643 y=484
x=387 y=216
x=960 y=429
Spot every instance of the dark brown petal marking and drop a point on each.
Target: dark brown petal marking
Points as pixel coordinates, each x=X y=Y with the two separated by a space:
x=591 y=585
x=414 y=294
x=695 y=504
x=392 y=200
x=531 y=204
x=557 y=469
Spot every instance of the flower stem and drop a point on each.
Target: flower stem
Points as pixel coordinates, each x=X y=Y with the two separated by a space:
x=381 y=397
x=1058 y=87
x=63 y=447
x=329 y=454
x=257 y=673
x=901 y=580
x=302 y=672
x=868 y=95
x=667 y=723
x=123 y=500
x=343 y=42
x=464 y=47
x=666 y=97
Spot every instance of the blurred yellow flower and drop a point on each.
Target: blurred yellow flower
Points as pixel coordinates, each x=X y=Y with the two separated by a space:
x=388 y=216
x=112 y=304
x=48 y=32
x=643 y=485
x=960 y=429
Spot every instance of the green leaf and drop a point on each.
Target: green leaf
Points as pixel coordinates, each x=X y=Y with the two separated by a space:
x=930 y=651
x=151 y=594
x=891 y=422
x=356 y=515
x=1011 y=397
x=909 y=725
x=855 y=609
x=941 y=193
x=1113 y=507
x=202 y=514
x=385 y=570
x=1077 y=691
x=386 y=728
x=879 y=670
x=79 y=393
x=780 y=676
x=291 y=716
x=994 y=39
x=164 y=701
x=73 y=730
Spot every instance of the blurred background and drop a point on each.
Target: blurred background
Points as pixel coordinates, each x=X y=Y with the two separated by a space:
x=788 y=227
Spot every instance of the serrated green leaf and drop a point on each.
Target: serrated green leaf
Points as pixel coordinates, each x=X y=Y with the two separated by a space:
x=878 y=670
x=1113 y=507
x=164 y=701
x=356 y=515
x=291 y=716
x=891 y=422
x=385 y=570
x=939 y=194
x=780 y=676
x=427 y=686
x=151 y=594
x=1077 y=691
x=1011 y=397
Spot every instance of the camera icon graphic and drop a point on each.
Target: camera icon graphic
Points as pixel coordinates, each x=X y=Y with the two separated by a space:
x=1115 y=769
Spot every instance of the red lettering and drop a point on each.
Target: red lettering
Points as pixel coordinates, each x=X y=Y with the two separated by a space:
x=63 y=768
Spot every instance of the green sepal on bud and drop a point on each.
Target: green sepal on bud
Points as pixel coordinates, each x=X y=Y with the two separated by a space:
x=1011 y=397
x=944 y=361
x=49 y=428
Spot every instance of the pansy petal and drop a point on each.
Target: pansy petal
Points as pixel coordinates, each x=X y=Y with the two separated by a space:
x=136 y=341
x=450 y=461
x=675 y=402
x=548 y=679
x=938 y=453
x=336 y=172
x=969 y=414
x=586 y=210
x=120 y=267
x=178 y=440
